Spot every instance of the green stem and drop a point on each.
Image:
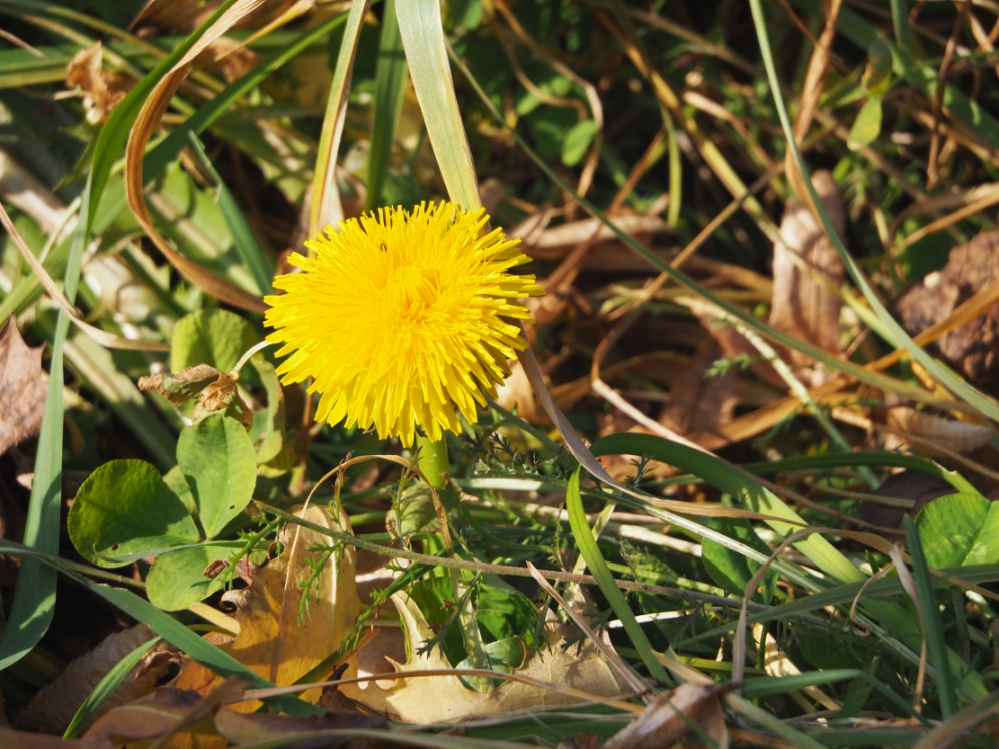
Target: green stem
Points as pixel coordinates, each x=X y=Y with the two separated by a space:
x=433 y=461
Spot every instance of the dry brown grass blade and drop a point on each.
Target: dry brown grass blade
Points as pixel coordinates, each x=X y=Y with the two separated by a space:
x=326 y=208
x=818 y=65
x=145 y=125
x=108 y=340
x=932 y=168
x=988 y=197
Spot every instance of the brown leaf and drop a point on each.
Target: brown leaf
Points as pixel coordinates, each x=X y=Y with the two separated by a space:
x=102 y=89
x=52 y=709
x=697 y=403
x=219 y=394
x=801 y=305
x=662 y=725
x=973 y=347
x=184 y=385
x=23 y=387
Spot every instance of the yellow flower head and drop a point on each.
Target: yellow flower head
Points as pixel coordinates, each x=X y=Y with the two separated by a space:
x=399 y=318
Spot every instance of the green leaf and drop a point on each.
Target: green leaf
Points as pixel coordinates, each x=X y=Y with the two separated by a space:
x=107 y=686
x=959 y=530
x=503 y=612
x=177 y=578
x=125 y=507
x=174 y=478
x=211 y=336
x=577 y=140
x=731 y=570
x=218 y=461
x=867 y=127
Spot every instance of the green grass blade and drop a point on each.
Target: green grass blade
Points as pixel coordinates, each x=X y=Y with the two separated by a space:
x=900 y=22
x=942 y=374
x=598 y=566
x=242 y=235
x=326 y=208
x=732 y=481
x=426 y=52
x=166 y=626
x=391 y=75
x=936 y=644
x=106 y=687
x=35 y=594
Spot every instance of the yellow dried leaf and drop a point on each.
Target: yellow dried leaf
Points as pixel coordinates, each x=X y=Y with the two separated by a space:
x=272 y=640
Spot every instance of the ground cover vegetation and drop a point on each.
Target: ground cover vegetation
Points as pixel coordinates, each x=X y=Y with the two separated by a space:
x=657 y=406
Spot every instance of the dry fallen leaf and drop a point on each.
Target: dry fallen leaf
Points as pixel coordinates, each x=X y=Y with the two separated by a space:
x=698 y=403
x=434 y=699
x=801 y=305
x=661 y=724
x=52 y=709
x=184 y=385
x=22 y=387
x=973 y=347
x=272 y=640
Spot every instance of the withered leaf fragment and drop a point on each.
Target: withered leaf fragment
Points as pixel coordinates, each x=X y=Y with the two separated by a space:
x=184 y=385
x=22 y=387
x=661 y=723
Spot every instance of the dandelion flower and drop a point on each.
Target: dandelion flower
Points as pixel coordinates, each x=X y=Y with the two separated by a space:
x=402 y=319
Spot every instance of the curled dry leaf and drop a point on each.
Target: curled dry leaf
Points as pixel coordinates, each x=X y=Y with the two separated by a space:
x=806 y=265
x=23 y=387
x=959 y=436
x=661 y=724
x=102 y=89
x=52 y=709
x=974 y=346
x=273 y=640
x=434 y=699
x=184 y=385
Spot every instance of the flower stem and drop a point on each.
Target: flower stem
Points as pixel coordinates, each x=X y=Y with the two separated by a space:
x=433 y=460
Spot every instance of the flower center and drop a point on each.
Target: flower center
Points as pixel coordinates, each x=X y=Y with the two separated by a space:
x=411 y=293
